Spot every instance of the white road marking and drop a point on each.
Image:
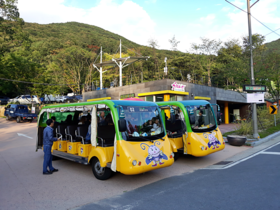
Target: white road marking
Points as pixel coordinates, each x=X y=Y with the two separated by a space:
x=20 y=134
x=242 y=160
x=271 y=153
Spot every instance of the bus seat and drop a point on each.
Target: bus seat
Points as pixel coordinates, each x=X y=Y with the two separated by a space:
x=81 y=132
x=55 y=129
x=107 y=133
x=61 y=131
x=70 y=129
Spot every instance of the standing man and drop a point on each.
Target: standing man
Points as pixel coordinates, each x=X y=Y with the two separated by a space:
x=48 y=140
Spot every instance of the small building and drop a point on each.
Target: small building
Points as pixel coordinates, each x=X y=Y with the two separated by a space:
x=232 y=104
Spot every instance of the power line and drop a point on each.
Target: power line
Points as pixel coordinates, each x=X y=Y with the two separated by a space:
x=12 y=80
x=253 y=17
x=272 y=31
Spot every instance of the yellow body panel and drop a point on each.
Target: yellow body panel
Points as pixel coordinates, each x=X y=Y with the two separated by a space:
x=62 y=146
x=195 y=142
x=104 y=154
x=127 y=152
x=84 y=150
x=72 y=147
x=55 y=145
x=176 y=143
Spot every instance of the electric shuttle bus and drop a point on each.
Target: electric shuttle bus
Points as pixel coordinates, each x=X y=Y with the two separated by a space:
x=192 y=127
x=126 y=136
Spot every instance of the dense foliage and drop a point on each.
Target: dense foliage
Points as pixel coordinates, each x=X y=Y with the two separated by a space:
x=62 y=54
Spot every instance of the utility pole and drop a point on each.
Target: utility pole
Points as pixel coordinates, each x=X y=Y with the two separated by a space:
x=120 y=66
x=254 y=106
x=100 y=70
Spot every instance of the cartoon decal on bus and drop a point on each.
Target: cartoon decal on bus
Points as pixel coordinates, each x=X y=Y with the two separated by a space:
x=155 y=154
x=213 y=141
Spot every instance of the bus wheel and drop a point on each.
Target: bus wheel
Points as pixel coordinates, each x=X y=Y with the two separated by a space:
x=18 y=119
x=101 y=173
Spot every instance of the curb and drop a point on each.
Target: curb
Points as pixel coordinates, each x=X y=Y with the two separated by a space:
x=265 y=139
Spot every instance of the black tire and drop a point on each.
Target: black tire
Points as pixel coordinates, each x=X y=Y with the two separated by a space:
x=8 y=117
x=30 y=121
x=100 y=172
x=18 y=119
x=236 y=140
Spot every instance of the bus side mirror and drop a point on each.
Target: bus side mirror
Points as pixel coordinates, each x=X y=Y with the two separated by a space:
x=122 y=125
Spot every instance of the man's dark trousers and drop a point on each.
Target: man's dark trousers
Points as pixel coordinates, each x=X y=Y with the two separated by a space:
x=47 y=159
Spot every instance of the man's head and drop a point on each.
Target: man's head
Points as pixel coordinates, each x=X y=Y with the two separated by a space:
x=53 y=118
x=200 y=113
x=50 y=122
x=102 y=114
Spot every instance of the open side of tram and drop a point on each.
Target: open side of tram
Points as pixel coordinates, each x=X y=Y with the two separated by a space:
x=126 y=136
x=192 y=127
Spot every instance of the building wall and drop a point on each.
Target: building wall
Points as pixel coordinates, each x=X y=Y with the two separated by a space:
x=165 y=84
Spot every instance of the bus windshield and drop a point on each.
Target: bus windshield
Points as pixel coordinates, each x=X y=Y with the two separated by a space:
x=201 y=118
x=143 y=123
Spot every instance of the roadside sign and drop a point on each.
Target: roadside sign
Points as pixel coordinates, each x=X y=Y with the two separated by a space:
x=255 y=98
x=254 y=88
x=273 y=109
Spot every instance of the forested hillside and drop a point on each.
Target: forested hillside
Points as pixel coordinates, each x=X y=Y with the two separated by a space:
x=62 y=54
x=274 y=45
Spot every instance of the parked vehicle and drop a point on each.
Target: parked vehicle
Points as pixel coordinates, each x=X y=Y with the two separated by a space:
x=25 y=99
x=19 y=112
x=121 y=139
x=50 y=98
x=4 y=100
x=13 y=100
x=75 y=98
x=192 y=127
x=61 y=99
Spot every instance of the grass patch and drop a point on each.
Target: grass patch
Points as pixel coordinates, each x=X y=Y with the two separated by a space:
x=269 y=131
x=229 y=133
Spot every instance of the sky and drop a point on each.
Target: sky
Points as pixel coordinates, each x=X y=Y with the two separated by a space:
x=142 y=20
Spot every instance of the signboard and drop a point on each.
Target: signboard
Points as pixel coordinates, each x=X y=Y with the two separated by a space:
x=178 y=87
x=273 y=109
x=130 y=95
x=255 y=98
x=33 y=110
x=254 y=88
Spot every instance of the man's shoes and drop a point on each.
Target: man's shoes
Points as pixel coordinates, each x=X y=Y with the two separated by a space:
x=47 y=173
x=54 y=170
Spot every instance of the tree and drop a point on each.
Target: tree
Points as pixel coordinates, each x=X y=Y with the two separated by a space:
x=231 y=68
x=270 y=74
x=210 y=48
x=174 y=43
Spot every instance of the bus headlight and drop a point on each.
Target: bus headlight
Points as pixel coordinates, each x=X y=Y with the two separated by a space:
x=202 y=148
x=134 y=162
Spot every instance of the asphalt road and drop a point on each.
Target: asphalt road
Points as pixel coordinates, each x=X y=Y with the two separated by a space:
x=22 y=185
x=250 y=184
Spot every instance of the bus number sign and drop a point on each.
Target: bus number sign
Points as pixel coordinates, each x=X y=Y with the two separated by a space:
x=254 y=88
